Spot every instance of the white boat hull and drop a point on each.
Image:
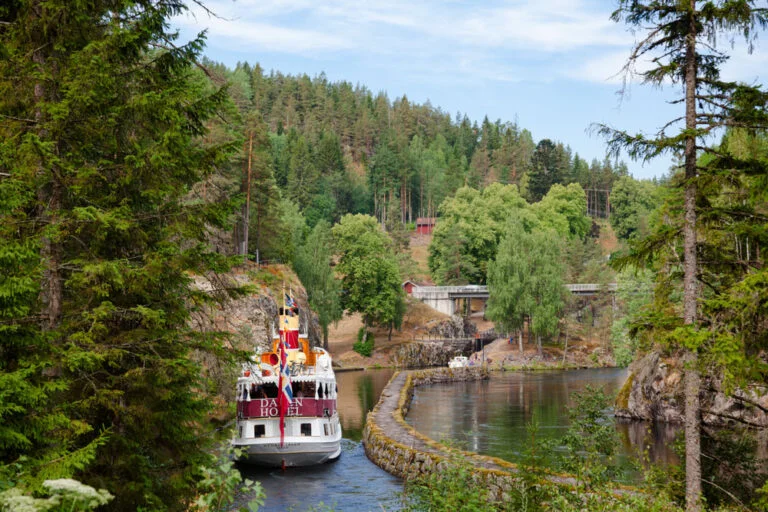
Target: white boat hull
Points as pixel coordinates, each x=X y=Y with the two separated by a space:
x=296 y=451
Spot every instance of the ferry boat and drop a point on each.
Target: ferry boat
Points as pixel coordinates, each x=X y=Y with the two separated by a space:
x=286 y=401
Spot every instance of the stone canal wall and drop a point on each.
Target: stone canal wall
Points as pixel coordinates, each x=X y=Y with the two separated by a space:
x=397 y=448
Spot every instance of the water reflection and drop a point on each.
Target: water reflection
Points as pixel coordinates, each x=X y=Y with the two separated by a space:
x=358 y=393
x=654 y=439
x=491 y=417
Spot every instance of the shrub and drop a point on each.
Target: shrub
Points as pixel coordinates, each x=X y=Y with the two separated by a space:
x=364 y=344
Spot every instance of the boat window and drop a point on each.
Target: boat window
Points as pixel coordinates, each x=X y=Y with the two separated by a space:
x=306 y=429
x=259 y=431
x=240 y=432
x=304 y=389
x=325 y=428
x=270 y=389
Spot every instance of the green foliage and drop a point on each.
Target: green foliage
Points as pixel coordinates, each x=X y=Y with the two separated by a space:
x=313 y=266
x=479 y=219
x=455 y=487
x=264 y=215
x=526 y=279
x=549 y=165
x=293 y=231
x=371 y=280
x=102 y=227
x=564 y=209
x=220 y=484
x=364 y=344
x=591 y=440
x=467 y=237
x=682 y=43
x=454 y=267
x=336 y=148
x=632 y=202
x=634 y=294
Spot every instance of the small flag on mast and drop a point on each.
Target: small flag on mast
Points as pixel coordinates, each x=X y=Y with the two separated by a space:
x=289 y=302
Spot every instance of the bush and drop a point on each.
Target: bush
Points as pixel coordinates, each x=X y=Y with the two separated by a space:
x=364 y=344
x=222 y=483
x=453 y=488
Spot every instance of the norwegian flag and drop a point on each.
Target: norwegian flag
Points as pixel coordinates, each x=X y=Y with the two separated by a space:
x=286 y=391
x=289 y=302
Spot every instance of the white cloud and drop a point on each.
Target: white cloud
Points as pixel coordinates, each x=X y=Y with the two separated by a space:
x=383 y=25
x=543 y=27
x=261 y=35
x=607 y=68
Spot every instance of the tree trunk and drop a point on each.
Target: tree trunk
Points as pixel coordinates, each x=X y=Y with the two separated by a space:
x=690 y=293
x=50 y=199
x=565 y=349
x=520 y=338
x=247 y=212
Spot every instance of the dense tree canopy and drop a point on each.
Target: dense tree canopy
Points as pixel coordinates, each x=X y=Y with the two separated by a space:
x=472 y=223
x=526 y=280
x=99 y=155
x=632 y=202
x=313 y=266
x=371 y=278
x=338 y=149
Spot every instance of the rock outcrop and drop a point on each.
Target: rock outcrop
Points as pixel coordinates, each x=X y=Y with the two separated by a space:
x=248 y=319
x=454 y=327
x=654 y=392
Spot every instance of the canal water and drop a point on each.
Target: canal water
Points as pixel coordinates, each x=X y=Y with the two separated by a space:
x=491 y=417
x=352 y=482
x=487 y=417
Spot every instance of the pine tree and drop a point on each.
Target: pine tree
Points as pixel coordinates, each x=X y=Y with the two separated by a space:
x=682 y=41
x=100 y=234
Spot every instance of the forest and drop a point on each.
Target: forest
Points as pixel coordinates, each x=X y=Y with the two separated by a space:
x=333 y=148
x=130 y=163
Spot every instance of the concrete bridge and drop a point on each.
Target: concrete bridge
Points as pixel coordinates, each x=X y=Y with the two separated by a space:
x=445 y=298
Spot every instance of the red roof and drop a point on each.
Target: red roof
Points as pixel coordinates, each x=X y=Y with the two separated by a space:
x=426 y=221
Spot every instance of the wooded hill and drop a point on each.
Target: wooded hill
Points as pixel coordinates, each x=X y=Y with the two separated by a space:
x=333 y=148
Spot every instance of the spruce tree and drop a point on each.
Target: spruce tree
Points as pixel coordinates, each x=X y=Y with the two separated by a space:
x=682 y=40
x=100 y=234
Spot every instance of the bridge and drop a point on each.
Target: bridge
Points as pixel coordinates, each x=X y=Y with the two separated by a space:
x=444 y=298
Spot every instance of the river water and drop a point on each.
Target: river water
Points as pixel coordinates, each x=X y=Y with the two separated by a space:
x=488 y=417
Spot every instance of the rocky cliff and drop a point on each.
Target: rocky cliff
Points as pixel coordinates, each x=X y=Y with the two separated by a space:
x=654 y=392
x=248 y=318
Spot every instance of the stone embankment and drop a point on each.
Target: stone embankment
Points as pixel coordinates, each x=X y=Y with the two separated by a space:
x=397 y=448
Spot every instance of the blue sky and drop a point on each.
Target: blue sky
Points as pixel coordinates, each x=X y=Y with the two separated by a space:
x=554 y=66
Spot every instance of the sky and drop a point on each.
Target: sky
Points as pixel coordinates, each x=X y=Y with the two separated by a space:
x=552 y=66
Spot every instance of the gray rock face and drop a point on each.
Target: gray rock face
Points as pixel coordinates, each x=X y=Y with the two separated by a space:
x=250 y=318
x=455 y=327
x=654 y=391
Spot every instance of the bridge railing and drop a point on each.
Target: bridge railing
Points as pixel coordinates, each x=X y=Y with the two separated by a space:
x=444 y=291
